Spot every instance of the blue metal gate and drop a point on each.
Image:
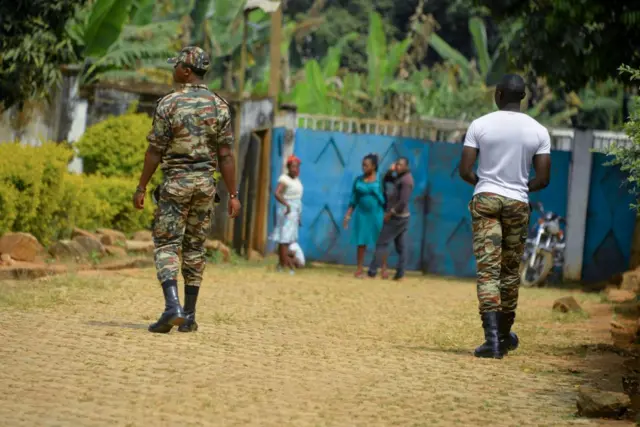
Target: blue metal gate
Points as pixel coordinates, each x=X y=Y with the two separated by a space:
x=440 y=230
x=330 y=163
x=610 y=222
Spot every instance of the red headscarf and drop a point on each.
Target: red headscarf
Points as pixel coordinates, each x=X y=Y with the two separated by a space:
x=293 y=159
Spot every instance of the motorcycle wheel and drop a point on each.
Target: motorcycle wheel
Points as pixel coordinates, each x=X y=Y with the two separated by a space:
x=544 y=264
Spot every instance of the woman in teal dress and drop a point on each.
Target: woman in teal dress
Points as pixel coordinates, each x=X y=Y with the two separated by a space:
x=368 y=203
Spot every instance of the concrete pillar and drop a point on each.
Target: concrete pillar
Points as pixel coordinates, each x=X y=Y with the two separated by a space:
x=579 y=183
x=287 y=118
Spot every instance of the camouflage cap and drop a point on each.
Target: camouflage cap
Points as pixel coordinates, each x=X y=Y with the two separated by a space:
x=194 y=56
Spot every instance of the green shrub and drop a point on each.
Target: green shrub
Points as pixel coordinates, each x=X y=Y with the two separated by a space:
x=628 y=158
x=39 y=196
x=114 y=204
x=31 y=187
x=115 y=146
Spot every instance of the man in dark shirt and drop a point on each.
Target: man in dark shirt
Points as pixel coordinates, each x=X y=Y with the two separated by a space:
x=396 y=217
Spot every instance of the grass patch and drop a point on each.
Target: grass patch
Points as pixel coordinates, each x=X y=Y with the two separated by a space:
x=53 y=291
x=572 y=317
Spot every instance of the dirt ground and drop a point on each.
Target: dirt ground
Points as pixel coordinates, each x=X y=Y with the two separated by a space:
x=316 y=349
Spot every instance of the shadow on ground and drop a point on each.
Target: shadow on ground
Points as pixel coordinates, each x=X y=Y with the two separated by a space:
x=118 y=324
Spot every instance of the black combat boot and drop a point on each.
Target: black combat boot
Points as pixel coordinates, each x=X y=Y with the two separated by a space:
x=190 y=299
x=173 y=314
x=509 y=341
x=491 y=346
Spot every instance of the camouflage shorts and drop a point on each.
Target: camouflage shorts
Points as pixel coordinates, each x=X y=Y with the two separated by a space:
x=500 y=229
x=181 y=223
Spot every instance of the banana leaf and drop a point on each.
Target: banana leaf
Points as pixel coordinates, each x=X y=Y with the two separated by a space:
x=448 y=53
x=479 y=35
x=142 y=12
x=331 y=62
x=104 y=26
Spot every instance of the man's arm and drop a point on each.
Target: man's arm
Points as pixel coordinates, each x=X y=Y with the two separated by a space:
x=542 y=163
x=405 y=194
x=226 y=162
x=227 y=167
x=152 y=159
x=469 y=156
x=159 y=138
x=468 y=159
x=542 y=166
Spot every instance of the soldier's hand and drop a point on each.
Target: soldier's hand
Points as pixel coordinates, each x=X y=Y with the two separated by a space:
x=138 y=200
x=234 y=207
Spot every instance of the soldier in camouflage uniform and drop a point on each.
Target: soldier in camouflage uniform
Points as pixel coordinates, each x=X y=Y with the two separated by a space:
x=506 y=142
x=191 y=138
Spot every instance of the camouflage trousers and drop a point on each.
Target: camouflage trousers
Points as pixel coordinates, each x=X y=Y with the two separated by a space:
x=181 y=222
x=500 y=229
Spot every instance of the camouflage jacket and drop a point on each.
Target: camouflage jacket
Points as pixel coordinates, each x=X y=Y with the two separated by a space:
x=189 y=125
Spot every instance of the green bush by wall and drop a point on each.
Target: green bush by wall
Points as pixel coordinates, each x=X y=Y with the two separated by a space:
x=115 y=146
x=39 y=196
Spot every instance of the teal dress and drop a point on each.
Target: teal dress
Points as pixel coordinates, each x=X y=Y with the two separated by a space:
x=368 y=202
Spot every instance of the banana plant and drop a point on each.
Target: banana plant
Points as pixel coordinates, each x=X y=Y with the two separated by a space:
x=321 y=90
x=383 y=62
x=490 y=67
x=114 y=49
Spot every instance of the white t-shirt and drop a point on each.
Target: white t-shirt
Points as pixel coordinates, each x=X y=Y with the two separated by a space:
x=507 y=142
x=297 y=252
x=293 y=187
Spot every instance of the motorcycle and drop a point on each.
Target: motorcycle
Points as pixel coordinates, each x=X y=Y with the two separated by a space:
x=544 y=248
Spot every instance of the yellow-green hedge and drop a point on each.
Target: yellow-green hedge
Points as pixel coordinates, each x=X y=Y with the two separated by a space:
x=39 y=196
x=31 y=187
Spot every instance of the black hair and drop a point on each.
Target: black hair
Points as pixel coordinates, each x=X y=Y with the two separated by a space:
x=375 y=160
x=512 y=87
x=406 y=160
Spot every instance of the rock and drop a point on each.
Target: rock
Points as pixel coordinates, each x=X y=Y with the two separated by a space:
x=631 y=386
x=5 y=259
x=216 y=245
x=255 y=256
x=619 y=295
x=111 y=237
x=143 y=236
x=139 y=247
x=629 y=309
x=594 y=403
x=566 y=305
x=68 y=249
x=20 y=246
x=623 y=335
x=116 y=251
x=631 y=281
x=80 y=232
x=212 y=245
x=631 y=383
x=632 y=364
x=91 y=245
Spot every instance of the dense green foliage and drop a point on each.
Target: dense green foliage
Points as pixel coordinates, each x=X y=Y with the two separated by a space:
x=628 y=157
x=115 y=146
x=571 y=43
x=38 y=196
x=33 y=46
x=382 y=58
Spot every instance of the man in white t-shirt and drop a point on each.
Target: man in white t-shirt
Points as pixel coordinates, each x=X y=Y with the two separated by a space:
x=296 y=255
x=505 y=143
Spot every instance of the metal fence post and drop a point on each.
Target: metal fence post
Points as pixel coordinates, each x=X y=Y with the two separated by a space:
x=579 y=183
